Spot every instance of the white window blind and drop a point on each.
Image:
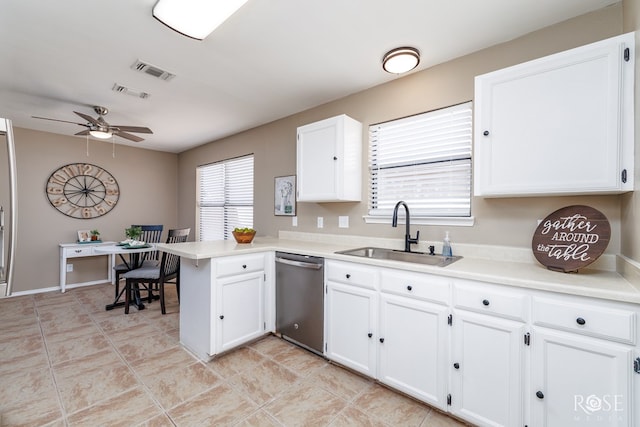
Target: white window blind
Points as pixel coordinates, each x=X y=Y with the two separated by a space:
x=424 y=160
x=225 y=197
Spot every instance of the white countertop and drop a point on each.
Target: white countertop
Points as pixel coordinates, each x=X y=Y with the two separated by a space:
x=592 y=283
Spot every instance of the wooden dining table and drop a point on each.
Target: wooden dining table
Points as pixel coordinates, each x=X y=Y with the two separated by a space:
x=135 y=261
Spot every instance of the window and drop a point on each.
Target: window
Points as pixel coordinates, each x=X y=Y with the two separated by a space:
x=424 y=160
x=225 y=197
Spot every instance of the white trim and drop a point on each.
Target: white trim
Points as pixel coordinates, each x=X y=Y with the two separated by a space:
x=466 y=221
x=57 y=288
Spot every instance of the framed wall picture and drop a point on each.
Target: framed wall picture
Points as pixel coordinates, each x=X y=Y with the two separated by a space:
x=84 y=236
x=285 y=195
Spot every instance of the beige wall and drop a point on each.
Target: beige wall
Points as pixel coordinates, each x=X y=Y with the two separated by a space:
x=630 y=214
x=164 y=192
x=148 y=187
x=508 y=222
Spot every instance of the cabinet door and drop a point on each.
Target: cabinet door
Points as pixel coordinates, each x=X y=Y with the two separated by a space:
x=561 y=124
x=317 y=161
x=487 y=369
x=329 y=160
x=578 y=381
x=413 y=348
x=240 y=310
x=350 y=318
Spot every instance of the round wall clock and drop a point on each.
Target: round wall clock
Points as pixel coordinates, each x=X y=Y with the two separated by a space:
x=82 y=190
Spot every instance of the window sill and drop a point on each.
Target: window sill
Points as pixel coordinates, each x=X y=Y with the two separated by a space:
x=453 y=221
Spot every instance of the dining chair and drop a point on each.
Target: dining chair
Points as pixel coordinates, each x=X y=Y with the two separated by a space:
x=150 y=234
x=149 y=276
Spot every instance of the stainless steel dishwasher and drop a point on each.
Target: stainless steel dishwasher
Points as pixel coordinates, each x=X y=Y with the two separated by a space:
x=300 y=300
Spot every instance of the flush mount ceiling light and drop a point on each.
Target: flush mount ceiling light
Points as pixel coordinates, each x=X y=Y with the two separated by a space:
x=401 y=60
x=195 y=18
x=100 y=134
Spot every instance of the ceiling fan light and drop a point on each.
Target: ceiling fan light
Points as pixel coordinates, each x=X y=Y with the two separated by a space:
x=195 y=18
x=100 y=134
x=401 y=60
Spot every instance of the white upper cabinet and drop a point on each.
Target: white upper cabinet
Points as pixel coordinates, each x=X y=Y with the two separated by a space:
x=558 y=125
x=329 y=160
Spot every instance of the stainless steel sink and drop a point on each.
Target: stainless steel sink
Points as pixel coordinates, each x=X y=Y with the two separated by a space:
x=396 y=255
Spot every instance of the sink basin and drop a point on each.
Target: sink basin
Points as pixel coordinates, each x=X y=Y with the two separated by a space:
x=396 y=255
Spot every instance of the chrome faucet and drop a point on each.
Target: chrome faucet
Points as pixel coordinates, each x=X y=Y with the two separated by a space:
x=408 y=240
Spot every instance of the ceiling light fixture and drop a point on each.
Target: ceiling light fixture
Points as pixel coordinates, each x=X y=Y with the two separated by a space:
x=400 y=60
x=195 y=18
x=100 y=134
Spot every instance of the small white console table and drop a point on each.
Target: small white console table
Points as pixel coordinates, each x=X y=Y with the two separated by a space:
x=77 y=250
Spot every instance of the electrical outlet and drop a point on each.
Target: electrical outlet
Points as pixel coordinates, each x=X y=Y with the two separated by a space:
x=343 y=222
x=320 y=222
x=69 y=268
x=294 y=221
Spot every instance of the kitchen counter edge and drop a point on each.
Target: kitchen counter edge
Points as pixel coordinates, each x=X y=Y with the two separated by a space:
x=607 y=285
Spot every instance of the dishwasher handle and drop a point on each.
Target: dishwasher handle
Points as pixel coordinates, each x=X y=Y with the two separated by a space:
x=310 y=265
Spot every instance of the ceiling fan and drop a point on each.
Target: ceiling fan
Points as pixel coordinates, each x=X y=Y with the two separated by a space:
x=99 y=127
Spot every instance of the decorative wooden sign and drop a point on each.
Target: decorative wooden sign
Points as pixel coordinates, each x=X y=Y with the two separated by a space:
x=571 y=238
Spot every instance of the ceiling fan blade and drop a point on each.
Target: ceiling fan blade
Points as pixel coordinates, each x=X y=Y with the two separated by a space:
x=128 y=136
x=136 y=129
x=56 y=120
x=84 y=132
x=89 y=119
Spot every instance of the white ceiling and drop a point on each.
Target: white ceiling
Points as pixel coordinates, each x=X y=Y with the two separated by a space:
x=271 y=59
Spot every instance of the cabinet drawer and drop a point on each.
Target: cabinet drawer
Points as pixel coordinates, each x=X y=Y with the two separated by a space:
x=352 y=274
x=228 y=266
x=484 y=298
x=76 y=252
x=416 y=285
x=597 y=321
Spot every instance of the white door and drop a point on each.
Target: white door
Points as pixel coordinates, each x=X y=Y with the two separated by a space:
x=580 y=381
x=316 y=156
x=350 y=326
x=487 y=369
x=240 y=310
x=413 y=347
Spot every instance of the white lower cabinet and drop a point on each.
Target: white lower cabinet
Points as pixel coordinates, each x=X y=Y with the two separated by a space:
x=583 y=363
x=487 y=369
x=228 y=300
x=398 y=336
x=408 y=359
x=240 y=310
x=351 y=324
x=578 y=381
x=490 y=354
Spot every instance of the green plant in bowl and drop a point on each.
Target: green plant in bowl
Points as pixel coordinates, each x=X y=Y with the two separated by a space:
x=244 y=235
x=133 y=233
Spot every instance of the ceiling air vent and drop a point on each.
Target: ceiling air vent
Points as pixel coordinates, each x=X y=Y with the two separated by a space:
x=128 y=91
x=152 y=70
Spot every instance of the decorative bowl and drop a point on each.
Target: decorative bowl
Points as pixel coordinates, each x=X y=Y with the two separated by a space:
x=244 y=237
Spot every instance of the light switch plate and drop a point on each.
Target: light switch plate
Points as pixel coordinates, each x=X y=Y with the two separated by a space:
x=320 y=222
x=343 y=222
x=294 y=221
x=69 y=268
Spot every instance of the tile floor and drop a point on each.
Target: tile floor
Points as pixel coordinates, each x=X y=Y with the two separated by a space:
x=65 y=361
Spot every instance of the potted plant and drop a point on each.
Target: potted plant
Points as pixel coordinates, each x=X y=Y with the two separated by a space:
x=95 y=235
x=133 y=233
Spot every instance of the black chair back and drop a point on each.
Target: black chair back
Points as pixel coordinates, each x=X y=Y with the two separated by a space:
x=150 y=234
x=170 y=264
